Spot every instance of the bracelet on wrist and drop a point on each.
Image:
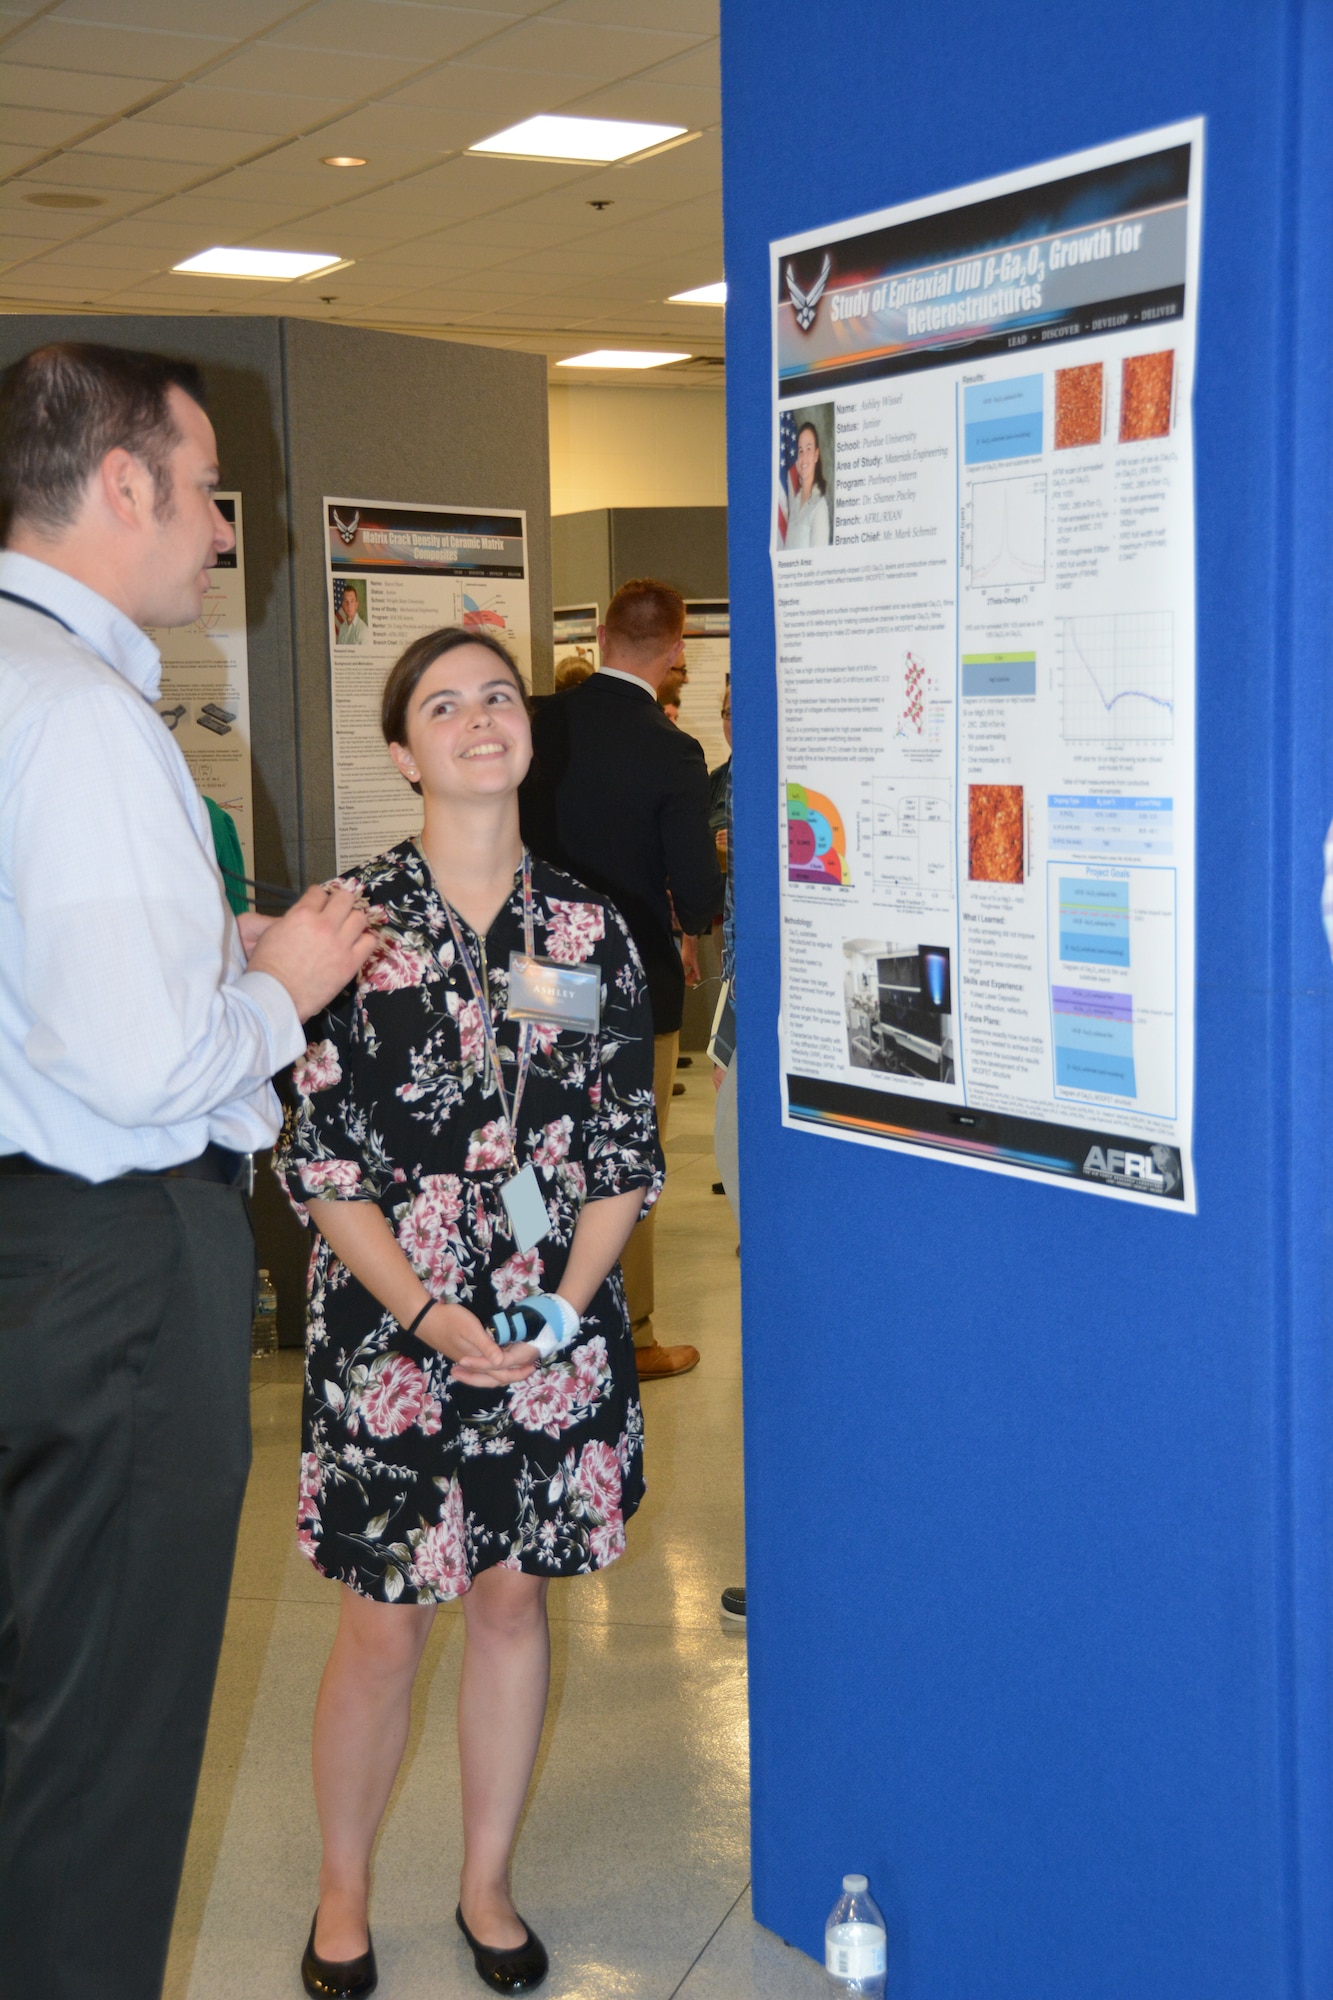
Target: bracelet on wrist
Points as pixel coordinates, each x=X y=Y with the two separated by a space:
x=429 y=1307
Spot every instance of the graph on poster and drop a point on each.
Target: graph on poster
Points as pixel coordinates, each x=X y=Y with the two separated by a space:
x=1008 y=532
x=1118 y=678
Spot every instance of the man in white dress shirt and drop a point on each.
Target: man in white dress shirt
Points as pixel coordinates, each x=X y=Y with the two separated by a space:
x=136 y=1048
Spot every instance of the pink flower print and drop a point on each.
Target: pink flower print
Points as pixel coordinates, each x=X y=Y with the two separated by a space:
x=439 y=1561
x=444 y=1195
x=545 y=1402
x=432 y=1416
x=305 y=1542
x=341 y=1176
x=489 y=1148
x=317 y=1069
x=573 y=1180
x=517 y=1278
x=471 y=1034
x=607 y=1541
x=442 y=1274
x=551 y=1144
x=597 y=1477
x=591 y=1372
x=392 y=965
x=595 y=1091
x=393 y=1398
x=572 y=929
x=307 y=1505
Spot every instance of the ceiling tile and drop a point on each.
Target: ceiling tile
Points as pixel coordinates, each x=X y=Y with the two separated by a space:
x=483 y=101
x=688 y=104
x=699 y=66
x=18 y=249
x=194 y=145
x=383 y=132
x=272 y=116
x=114 y=51
x=101 y=172
x=685 y=17
x=71 y=90
x=91 y=254
x=268 y=68
x=289 y=192
x=388 y=28
x=555 y=48
x=237 y=19
x=220 y=221
x=42 y=128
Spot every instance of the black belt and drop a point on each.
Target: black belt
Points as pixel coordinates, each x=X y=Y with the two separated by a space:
x=216 y=1163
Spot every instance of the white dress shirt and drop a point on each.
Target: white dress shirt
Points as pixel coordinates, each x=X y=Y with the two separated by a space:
x=635 y=680
x=808 y=524
x=130 y=1032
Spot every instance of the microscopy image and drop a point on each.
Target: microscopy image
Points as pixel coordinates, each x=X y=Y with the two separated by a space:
x=1078 y=406
x=1145 y=396
x=995 y=833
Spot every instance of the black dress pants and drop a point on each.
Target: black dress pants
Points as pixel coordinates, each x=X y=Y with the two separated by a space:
x=124 y=1447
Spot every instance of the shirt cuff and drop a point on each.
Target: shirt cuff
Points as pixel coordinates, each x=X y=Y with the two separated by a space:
x=286 y=1033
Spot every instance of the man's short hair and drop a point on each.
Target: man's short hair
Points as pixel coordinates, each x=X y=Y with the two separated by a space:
x=645 y=614
x=64 y=407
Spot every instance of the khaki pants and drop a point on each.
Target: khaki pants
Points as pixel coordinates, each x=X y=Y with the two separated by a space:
x=636 y=1259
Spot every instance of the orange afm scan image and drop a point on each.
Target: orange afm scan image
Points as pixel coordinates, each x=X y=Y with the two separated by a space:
x=1145 y=396
x=1078 y=406
x=995 y=844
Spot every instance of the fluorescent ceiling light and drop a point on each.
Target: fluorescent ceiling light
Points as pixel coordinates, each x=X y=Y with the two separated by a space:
x=702 y=295
x=592 y=141
x=232 y=263
x=620 y=357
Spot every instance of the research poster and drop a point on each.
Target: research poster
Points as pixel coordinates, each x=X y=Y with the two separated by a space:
x=983 y=571
x=708 y=658
x=205 y=694
x=575 y=636
x=396 y=572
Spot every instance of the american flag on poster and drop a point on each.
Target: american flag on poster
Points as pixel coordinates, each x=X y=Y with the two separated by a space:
x=786 y=470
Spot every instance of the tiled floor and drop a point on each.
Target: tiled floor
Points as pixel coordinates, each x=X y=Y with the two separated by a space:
x=633 y=1859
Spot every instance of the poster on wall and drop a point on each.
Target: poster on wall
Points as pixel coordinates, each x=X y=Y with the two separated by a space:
x=205 y=694
x=575 y=636
x=983 y=570
x=708 y=657
x=396 y=572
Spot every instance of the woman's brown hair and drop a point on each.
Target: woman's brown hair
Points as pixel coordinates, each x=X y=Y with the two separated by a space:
x=406 y=672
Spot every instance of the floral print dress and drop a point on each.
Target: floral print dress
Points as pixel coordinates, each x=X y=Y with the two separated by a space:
x=411 y=1482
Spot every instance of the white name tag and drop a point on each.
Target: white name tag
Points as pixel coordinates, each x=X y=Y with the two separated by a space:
x=522 y=1197
x=562 y=996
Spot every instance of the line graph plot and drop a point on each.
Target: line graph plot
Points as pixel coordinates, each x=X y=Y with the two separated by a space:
x=1008 y=532
x=1118 y=677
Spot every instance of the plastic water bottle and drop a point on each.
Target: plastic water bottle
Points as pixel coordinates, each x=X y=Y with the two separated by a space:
x=264 y=1325
x=856 y=1945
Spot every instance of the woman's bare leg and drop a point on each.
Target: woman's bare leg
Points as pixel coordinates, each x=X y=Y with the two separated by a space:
x=501 y=1707
x=361 y=1724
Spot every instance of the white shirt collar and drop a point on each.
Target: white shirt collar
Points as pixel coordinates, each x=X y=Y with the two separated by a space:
x=635 y=680
x=124 y=646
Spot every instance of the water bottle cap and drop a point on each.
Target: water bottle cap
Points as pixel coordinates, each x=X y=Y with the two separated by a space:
x=855 y=1885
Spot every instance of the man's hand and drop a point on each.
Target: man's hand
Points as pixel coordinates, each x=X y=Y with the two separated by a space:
x=321 y=944
x=252 y=927
x=689 y=958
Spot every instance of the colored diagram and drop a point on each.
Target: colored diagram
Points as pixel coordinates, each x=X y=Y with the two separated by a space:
x=1118 y=682
x=483 y=614
x=816 y=840
x=921 y=716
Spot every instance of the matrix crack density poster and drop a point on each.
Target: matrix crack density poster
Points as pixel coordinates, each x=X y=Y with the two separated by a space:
x=983 y=570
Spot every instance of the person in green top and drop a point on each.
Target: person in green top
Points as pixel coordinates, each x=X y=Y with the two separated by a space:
x=227 y=847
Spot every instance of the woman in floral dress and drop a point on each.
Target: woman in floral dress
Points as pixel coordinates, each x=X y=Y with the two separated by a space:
x=438 y=1464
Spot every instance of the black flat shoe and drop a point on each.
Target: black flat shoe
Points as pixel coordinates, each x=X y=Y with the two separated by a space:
x=338 y=1978
x=517 y=1970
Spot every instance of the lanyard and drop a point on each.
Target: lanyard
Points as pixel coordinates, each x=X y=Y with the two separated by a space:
x=482 y=999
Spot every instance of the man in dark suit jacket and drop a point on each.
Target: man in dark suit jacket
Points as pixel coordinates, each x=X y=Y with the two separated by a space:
x=619 y=796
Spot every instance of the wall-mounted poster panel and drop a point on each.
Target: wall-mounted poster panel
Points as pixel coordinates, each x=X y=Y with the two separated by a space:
x=983 y=565
x=205 y=694
x=396 y=572
x=708 y=657
x=575 y=634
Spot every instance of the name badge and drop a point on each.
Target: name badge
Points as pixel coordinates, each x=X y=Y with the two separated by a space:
x=522 y=1197
x=562 y=996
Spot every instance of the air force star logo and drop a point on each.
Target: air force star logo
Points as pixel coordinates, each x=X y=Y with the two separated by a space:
x=806 y=304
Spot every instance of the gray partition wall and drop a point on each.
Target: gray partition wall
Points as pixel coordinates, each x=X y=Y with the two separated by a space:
x=301 y=410
x=593 y=553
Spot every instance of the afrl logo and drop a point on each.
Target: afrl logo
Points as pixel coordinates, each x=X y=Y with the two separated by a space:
x=1132 y=1169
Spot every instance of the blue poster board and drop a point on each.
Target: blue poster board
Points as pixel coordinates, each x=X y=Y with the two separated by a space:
x=1037 y=1490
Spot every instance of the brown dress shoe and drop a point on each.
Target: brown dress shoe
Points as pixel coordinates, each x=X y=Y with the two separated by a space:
x=657 y=1360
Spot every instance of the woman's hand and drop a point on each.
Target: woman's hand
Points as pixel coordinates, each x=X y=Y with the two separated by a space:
x=479 y=1360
